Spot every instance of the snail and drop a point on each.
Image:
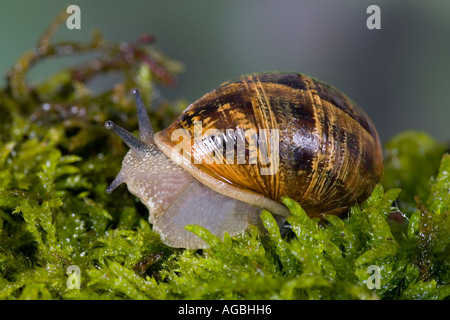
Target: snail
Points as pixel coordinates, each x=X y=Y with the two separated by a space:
x=208 y=167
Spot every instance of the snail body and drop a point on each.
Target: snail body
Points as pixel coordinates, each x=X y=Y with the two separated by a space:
x=321 y=150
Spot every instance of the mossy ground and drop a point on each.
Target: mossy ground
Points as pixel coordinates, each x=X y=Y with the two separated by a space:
x=56 y=160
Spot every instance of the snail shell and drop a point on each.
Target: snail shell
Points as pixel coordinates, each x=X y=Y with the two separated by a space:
x=326 y=156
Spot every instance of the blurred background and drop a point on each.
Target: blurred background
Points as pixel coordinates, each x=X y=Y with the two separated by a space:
x=398 y=74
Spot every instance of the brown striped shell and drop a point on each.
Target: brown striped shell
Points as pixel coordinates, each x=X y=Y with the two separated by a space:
x=329 y=151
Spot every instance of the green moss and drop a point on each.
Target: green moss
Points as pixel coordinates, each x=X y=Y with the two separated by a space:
x=408 y=152
x=56 y=160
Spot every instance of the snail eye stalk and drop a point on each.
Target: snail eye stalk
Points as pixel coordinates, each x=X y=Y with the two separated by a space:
x=146 y=131
x=134 y=143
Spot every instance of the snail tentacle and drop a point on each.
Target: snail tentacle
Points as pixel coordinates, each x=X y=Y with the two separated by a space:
x=116 y=182
x=146 y=131
x=134 y=143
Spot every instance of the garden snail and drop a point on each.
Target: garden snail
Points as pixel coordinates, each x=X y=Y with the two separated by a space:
x=326 y=156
